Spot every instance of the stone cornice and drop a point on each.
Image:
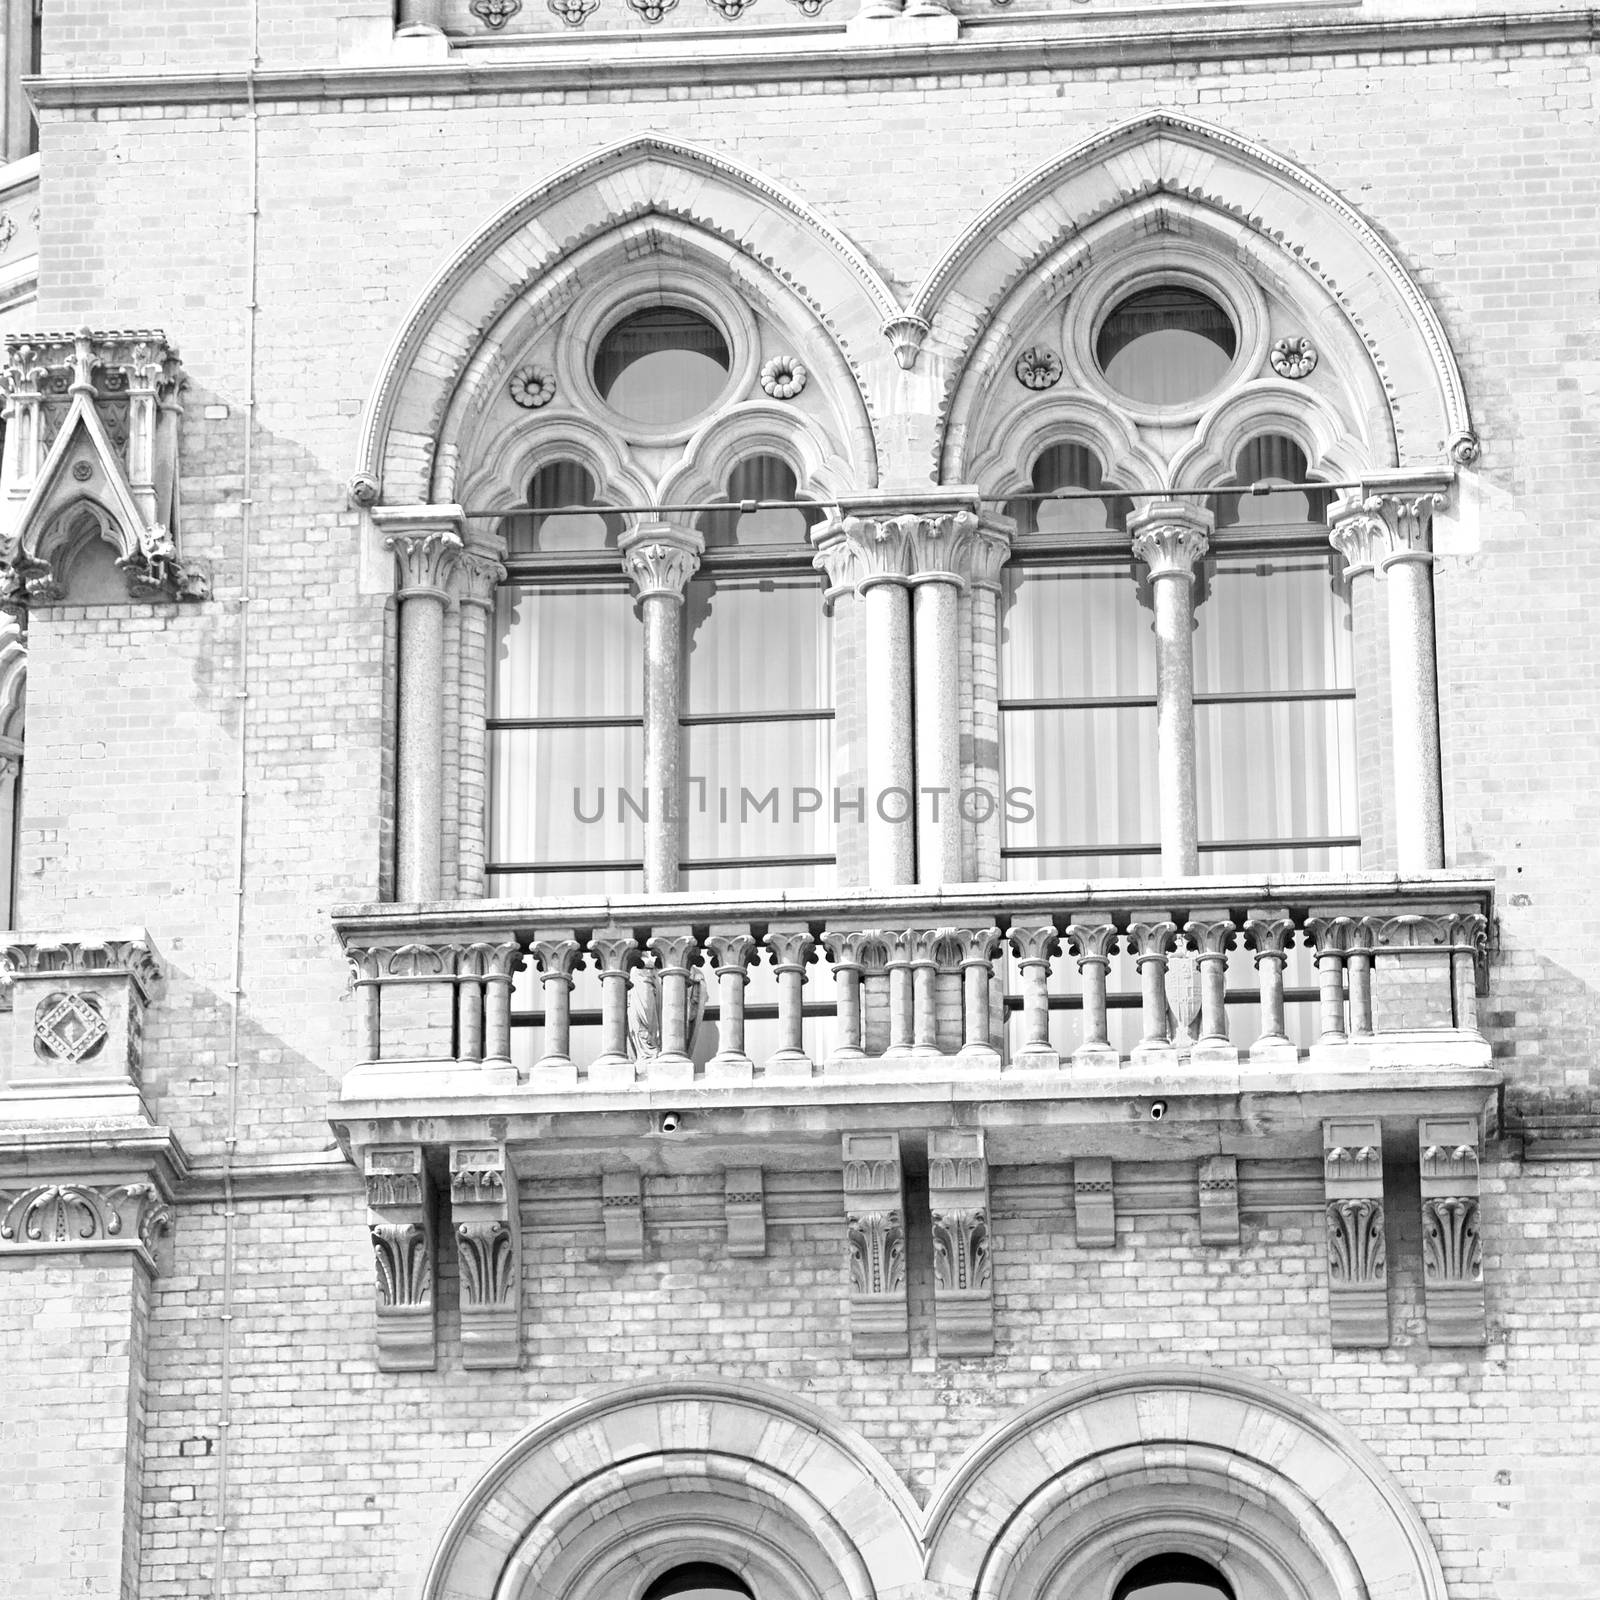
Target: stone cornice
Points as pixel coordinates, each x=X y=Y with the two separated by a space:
x=696 y=65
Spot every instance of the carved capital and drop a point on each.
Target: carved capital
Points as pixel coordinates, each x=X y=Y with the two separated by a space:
x=477 y=576
x=792 y=947
x=1151 y=941
x=1034 y=943
x=1407 y=526
x=1170 y=537
x=943 y=545
x=882 y=548
x=660 y=559
x=615 y=954
x=424 y=560
x=875 y=1241
x=837 y=559
x=1091 y=938
x=1360 y=535
x=1269 y=935
x=556 y=955
x=732 y=950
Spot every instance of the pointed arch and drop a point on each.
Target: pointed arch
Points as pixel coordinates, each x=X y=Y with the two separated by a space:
x=447 y=332
x=1038 y=239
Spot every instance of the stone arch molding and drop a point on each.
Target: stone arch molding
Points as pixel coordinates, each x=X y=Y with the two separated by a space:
x=461 y=336
x=1244 y=203
x=1058 y=1501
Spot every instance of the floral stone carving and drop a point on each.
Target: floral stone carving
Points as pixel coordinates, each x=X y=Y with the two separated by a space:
x=1294 y=358
x=531 y=386
x=876 y=1244
x=1038 y=367
x=495 y=13
x=574 y=12
x=652 y=10
x=783 y=377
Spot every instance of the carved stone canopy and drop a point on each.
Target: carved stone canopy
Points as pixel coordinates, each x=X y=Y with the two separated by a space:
x=92 y=429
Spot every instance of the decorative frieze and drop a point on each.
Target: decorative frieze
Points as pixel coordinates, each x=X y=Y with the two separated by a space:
x=875 y=1232
x=400 y=1222
x=745 y=1203
x=483 y=1218
x=963 y=1282
x=622 y=1213
x=1218 y=1181
x=1452 y=1247
x=1358 y=1268
x=53 y=1217
x=1094 y=1200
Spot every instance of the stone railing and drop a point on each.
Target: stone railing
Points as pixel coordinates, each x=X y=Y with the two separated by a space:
x=921 y=985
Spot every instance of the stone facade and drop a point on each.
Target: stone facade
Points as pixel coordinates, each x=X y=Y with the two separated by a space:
x=321 y=1274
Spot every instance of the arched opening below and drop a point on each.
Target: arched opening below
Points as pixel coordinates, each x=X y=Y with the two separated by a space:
x=699 y=1580
x=565 y=515
x=1060 y=470
x=759 y=478
x=1173 y=1577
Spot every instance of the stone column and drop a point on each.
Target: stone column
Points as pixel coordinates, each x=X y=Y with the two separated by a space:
x=1405 y=558
x=980 y=821
x=1170 y=538
x=1358 y=534
x=479 y=573
x=426 y=542
x=660 y=559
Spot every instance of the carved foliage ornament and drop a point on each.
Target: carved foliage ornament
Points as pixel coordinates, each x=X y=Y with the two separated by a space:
x=731 y=11
x=1356 y=1251
x=71 y=1212
x=783 y=377
x=1294 y=358
x=1038 y=367
x=877 y=1241
x=1452 y=1251
x=574 y=13
x=652 y=10
x=532 y=386
x=488 y=1266
x=495 y=13
x=405 y=1273
x=961 y=1248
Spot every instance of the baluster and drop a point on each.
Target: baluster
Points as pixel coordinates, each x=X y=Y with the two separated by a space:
x=1328 y=936
x=1034 y=944
x=676 y=954
x=1093 y=941
x=902 y=999
x=925 y=952
x=1151 y=942
x=733 y=950
x=555 y=958
x=977 y=949
x=845 y=953
x=1358 y=963
x=1469 y=938
x=471 y=965
x=1212 y=940
x=792 y=947
x=364 y=968
x=1271 y=937
x=615 y=955
x=501 y=962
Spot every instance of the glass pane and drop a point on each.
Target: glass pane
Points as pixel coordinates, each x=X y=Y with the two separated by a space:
x=567 y=652
x=755 y=790
x=566 y=795
x=1089 y=775
x=1166 y=346
x=757 y=877
x=592 y=883
x=757 y=644
x=661 y=366
x=1067 y=466
x=1273 y=624
x=1276 y=770
x=555 y=493
x=1074 y=632
x=1271 y=459
x=760 y=478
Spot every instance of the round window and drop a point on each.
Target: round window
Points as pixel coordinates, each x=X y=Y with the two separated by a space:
x=661 y=366
x=1166 y=346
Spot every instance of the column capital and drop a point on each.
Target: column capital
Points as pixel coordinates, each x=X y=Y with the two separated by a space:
x=660 y=558
x=906 y=536
x=1404 y=503
x=1170 y=537
x=427 y=543
x=1358 y=532
x=477 y=575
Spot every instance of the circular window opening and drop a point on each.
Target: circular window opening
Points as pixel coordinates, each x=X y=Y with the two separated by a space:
x=661 y=366
x=1174 y=1577
x=698 y=1580
x=1166 y=346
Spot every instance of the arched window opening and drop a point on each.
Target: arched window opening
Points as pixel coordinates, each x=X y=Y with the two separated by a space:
x=1272 y=459
x=661 y=366
x=1063 y=467
x=1166 y=346
x=698 y=1580
x=1173 y=1577
x=561 y=493
x=760 y=478
x=87 y=570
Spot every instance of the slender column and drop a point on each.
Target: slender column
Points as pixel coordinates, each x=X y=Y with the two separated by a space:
x=1270 y=937
x=1034 y=945
x=1358 y=964
x=792 y=947
x=419 y=16
x=1358 y=534
x=891 y=780
x=1093 y=941
x=1151 y=943
x=978 y=947
x=660 y=559
x=732 y=950
x=556 y=957
x=426 y=547
x=1407 y=567
x=928 y=945
x=676 y=952
x=478 y=573
x=1212 y=941
x=1330 y=937
x=614 y=955
x=902 y=993
x=1469 y=938
x=941 y=546
x=980 y=820
x=845 y=949
x=1170 y=538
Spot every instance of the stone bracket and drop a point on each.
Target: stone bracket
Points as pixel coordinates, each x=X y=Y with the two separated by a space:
x=745 y=1200
x=400 y=1215
x=622 y=1210
x=1219 y=1200
x=963 y=1279
x=874 y=1205
x=1095 y=1201
x=484 y=1219
x=1358 y=1269
x=1452 y=1250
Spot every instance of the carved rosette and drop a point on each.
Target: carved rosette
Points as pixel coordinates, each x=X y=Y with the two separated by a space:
x=400 y=1225
x=1452 y=1246
x=1358 y=1274
x=1170 y=538
x=874 y=1204
x=1294 y=357
x=963 y=1288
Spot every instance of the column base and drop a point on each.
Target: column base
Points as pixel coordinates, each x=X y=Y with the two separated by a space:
x=978 y=1058
x=1163 y=1056
x=790 y=1064
x=1218 y=1053
x=1274 y=1051
x=730 y=1068
x=498 y=1073
x=553 y=1074
x=1036 y=1058
x=675 y=1071
x=1095 y=1058
x=613 y=1072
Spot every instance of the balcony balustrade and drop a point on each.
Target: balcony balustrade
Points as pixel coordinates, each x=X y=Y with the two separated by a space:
x=1068 y=980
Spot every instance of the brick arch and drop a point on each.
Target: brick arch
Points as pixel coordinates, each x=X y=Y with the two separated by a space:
x=1065 y=1496
x=1036 y=239
x=600 y=1499
x=444 y=335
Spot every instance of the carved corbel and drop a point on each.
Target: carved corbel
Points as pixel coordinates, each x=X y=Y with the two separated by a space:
x=963 y=1281
x=483 y=1216
x=1358 y=1268
x=1219 y=1200
x=622 y=1211
x=745 y=1206
x=875 y=1230
x=1452 y=1247
x=400 y=1221
x=1094 y=1201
